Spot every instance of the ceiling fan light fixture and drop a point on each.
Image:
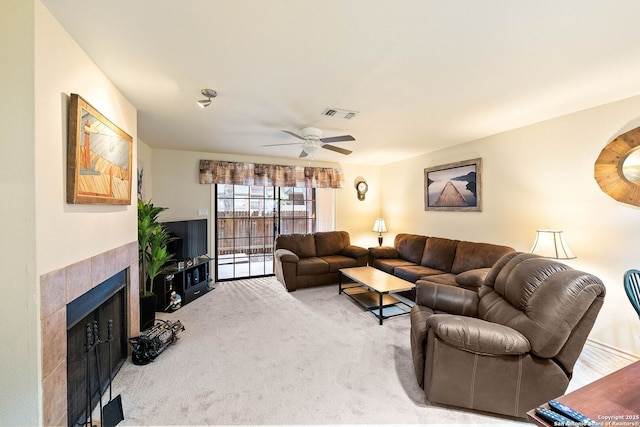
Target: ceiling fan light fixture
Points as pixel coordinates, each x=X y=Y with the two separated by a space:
x=209 y=93
x=310 y=149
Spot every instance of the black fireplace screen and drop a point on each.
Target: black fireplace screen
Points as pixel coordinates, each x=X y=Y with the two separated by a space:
x=103 y=303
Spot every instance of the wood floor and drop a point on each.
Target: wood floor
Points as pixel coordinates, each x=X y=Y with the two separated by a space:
x=595 y=362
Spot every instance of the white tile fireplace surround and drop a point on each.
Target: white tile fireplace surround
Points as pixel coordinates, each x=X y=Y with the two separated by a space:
x=57 y=289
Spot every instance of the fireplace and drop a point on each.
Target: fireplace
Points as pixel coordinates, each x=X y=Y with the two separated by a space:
x=94 y=317
x=82 y=281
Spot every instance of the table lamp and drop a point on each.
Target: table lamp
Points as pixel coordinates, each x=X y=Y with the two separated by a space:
x=379 y=227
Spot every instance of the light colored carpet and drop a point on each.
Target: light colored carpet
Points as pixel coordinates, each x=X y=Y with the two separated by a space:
x=254 y=354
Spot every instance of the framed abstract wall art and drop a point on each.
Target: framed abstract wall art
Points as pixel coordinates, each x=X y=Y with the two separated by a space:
x=454 y=186
x=98 y=157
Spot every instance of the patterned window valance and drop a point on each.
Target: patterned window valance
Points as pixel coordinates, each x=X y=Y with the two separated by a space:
x=240 y=173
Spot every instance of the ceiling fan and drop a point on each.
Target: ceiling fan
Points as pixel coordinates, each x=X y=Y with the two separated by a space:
x=311 y=141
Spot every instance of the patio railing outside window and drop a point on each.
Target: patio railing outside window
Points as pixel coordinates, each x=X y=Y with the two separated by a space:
x=248 y=218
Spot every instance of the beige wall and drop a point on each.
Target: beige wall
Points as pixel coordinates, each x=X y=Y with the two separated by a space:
x=540 y=176
x=19 y=357
x=357 y=216
x=41 y=232
x=176 y=185
x=63 y=68
x=145 y=159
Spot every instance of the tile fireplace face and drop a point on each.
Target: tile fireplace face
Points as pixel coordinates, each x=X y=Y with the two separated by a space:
x=57 y=289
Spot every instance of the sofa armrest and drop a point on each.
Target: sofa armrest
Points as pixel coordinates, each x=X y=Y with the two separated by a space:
x=447 y=298
x=285 y=255
x=353 y=251
x=472 y=279
x=384 y=252
x=478 y=336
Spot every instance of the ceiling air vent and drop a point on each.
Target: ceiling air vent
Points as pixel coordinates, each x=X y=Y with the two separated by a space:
x=342 y=114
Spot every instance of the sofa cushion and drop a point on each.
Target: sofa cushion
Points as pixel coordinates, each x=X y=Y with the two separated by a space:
x=472 y=279
x=336 y=262
x=471 y=256
x=303 y=245
x=331 y=242
x=383 y=252
x=413 y=273
x=312 y=265
x=353 y=251
x=389 y=265
x=442 y=279
x=439 y=253
x=410 y=246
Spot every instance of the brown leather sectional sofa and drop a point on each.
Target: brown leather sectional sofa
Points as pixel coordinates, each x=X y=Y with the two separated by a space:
x=451 y=262
x=304 y=260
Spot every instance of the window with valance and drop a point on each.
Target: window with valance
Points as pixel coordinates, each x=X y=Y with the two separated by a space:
x=241 y=173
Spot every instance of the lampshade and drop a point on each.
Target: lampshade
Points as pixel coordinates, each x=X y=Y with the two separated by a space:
x=379 y=226
x=551 y=244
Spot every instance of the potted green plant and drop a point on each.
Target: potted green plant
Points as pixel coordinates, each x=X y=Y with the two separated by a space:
x=152 y=256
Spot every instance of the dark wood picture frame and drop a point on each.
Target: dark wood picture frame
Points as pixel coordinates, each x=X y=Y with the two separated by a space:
x=98 y=157
x=454 y=186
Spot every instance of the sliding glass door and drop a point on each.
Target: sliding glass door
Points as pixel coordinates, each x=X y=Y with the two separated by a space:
x=248 y=218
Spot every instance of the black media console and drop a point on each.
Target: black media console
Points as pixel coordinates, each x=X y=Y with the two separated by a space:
x=190 y=282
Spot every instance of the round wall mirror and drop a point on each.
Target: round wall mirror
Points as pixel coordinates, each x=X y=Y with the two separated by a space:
x=617 y=169
x=631 y=167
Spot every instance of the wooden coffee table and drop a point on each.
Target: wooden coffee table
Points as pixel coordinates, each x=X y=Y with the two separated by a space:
x=373 y=290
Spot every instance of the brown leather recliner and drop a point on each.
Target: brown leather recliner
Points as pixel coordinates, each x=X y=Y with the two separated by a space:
x=512 y=345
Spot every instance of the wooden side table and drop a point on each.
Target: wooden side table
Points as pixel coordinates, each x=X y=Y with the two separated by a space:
x=613 y=400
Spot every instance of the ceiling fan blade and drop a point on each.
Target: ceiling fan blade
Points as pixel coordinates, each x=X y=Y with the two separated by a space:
x=338 y=138
x=336 y=149
x=285 y=143
x=303 y=154
x=293 y=134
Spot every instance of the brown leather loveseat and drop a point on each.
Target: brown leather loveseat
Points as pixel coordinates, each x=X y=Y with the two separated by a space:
x=451 y=262
x=512 y=345
x=304 y=260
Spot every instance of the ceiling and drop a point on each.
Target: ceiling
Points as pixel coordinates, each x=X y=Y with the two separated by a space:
x=421 y=74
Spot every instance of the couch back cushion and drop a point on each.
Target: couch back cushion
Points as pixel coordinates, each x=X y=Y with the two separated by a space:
x=331 y=242
x=410 y=246
x=303 y=245
x=471 y=256
x=439 y=253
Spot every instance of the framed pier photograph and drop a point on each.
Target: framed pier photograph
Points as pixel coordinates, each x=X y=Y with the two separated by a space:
x=453 y=187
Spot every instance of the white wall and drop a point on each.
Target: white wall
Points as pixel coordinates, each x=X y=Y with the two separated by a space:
x=540 y=176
